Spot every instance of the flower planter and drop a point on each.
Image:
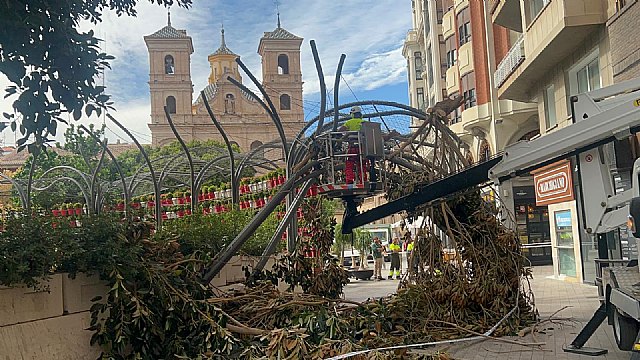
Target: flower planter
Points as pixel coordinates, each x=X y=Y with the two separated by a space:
x=175 y=201
x=78 y=211
x=361 y=274
x=56 y=212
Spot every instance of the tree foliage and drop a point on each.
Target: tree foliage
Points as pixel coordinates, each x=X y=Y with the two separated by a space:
x=52 y=64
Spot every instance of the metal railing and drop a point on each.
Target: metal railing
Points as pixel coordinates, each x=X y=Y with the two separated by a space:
x=510 y=63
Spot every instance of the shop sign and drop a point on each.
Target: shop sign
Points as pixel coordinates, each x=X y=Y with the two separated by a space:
x=553 y=184
x=563 y=219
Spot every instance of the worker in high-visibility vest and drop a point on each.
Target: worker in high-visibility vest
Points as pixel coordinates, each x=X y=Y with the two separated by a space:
x=409 y=252
x=354 y=160
x=395 y=249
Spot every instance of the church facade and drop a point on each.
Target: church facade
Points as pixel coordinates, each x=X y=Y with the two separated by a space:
x=242 y=118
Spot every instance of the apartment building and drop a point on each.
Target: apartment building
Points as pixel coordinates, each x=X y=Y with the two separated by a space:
x=454 y=48
x=563 y=48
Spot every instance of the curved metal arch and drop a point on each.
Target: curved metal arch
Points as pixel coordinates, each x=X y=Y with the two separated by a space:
x=275 y=119
x=235 y=191
x=250 y=155
x=336 y=87
x=165 y=169
x=273 y=113
x=194 y=203
x=170 y=169
x=146 y=159
x=205 y=169
x=58 y=179
x=127 y=198
x=82 y=175
x=323 y=86
x=19 y=189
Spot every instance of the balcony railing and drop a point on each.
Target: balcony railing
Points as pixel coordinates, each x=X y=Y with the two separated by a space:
x=510 y=63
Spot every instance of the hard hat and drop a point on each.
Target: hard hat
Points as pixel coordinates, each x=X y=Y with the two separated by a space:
x=355 y=109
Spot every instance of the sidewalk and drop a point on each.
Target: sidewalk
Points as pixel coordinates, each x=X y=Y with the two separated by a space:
x=551 y=295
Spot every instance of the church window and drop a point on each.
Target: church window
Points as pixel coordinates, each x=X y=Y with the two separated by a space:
x=171 y=104
x=283 y=64
x=229 y=104
x=285 y=102
x=256 y=144
x=169 y=65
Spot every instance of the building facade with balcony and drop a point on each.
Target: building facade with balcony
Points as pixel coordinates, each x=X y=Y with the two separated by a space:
x=464 y=61
x=454 y=49
x=561 y=48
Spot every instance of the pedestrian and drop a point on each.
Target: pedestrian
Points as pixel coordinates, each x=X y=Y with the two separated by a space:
x=395 y=249
x=376 y=252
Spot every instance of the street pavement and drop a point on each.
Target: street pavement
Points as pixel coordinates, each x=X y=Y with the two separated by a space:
x=550 y=296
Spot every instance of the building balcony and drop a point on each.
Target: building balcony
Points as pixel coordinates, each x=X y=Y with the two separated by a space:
x=506 y=13
x=453 y=80
x=459 y=5
x=412 y=36
x=478 y=116
x=556 y=32
x=510 y=63
x=465 y=58
x=448 y=24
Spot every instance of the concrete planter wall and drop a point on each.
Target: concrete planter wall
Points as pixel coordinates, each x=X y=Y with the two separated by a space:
x=21 y=304
x=51 y=325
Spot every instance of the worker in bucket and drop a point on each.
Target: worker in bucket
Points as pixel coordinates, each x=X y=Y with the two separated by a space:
x=395 y=249
x=354 y=160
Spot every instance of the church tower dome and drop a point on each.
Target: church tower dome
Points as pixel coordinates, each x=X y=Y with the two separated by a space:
x=223 y=63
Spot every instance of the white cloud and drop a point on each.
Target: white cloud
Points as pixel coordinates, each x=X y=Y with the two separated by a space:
x=369 y=33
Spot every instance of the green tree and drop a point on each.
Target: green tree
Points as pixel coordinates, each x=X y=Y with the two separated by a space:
x=362 y=243
x=77 y=142
x=52 y=64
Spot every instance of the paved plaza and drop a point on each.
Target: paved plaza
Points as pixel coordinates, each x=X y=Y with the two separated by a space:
x=551 y=295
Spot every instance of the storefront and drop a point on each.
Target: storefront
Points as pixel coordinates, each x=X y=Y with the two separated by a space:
x=554 y=188
x=532 y=226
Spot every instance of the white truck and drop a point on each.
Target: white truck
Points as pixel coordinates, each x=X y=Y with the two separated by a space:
x=600 y=117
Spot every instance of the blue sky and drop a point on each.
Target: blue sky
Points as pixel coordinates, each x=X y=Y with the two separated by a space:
x=369 y=32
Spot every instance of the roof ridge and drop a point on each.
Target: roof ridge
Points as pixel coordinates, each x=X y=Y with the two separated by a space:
x=169 y=32
x=280 y=33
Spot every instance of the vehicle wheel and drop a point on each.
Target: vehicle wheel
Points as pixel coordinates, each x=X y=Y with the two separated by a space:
x=625 y=330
